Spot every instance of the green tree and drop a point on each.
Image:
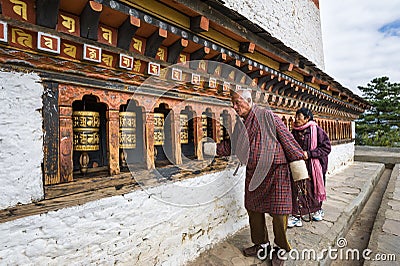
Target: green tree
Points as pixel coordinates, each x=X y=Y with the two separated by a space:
x=380 y=126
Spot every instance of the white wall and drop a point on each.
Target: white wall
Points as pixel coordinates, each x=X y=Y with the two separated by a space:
x=133 y=229
x=21 y=140
x=340 y=156
x=295 y=22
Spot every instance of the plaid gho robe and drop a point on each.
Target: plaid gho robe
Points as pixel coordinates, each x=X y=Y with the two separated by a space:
x=274 y=194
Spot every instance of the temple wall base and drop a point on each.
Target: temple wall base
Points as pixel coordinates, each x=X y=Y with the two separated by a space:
x=132 y=228
x=341 y=156
x=21 y=138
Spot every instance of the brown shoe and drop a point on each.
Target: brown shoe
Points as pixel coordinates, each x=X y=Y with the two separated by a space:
x=253 y=251
x=276 y=261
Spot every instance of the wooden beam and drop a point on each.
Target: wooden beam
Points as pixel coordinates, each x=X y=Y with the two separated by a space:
x=246 y=68
x=154 y=42
x=227 y=70
x=175 y=50
x=199 y=24
x=282 y=90
x=47 y=13
x=214 y=62
x=198 y=55
x=126 y=32
x=278 y=85
x=247 y=47
x=263 y=79
x=271 y=83
x=310 y=79
x=90 y=18
x=286 y=67
x=256 y=74
x=324 y=87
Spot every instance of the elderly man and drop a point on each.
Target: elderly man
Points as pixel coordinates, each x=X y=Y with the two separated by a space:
x=262 y=142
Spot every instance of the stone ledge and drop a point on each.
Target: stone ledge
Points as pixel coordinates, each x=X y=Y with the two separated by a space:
x=84 y=190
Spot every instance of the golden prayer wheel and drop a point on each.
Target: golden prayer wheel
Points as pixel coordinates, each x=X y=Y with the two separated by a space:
x=86 y=125
x=86 y=130
x=204 y=125
x=127 y=134
x=127 y=130
x=184 y=121
x=158 y=129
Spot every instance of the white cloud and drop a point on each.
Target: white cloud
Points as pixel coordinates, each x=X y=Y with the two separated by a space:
x=355 y=51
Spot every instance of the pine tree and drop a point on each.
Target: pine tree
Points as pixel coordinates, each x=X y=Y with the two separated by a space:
x=380 y=126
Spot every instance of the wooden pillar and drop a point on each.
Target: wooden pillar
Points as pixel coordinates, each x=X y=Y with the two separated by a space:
x=51 y=137
x=66 y=144
x=198 y=135
x=149 y=140
x=176 y=137
x=113 y=141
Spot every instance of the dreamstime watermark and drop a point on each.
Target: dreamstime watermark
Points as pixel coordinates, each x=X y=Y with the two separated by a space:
x=340 y=252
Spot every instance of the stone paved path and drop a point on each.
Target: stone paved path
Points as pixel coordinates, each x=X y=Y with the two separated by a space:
x=347 y=192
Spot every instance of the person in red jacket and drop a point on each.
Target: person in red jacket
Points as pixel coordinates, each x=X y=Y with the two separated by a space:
x=316 y=147
x=262 y=142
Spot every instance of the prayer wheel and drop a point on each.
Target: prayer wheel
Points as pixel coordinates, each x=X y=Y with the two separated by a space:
x=158 y=129
x=86 y=125
x=204 y=125
x=184 y=121
x=127 y=134
x=127 y=130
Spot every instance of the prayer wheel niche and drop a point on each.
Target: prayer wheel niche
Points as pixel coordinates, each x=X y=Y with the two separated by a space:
x=184 y=122
x=158 y=129
x=207 y=125
x=223 y=131
x=163 y=151
x=187 y=134
x=86 y=125
x=127 y=135
x=204 y=125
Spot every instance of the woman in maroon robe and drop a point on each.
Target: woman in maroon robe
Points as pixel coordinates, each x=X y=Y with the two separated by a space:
x=316 y=146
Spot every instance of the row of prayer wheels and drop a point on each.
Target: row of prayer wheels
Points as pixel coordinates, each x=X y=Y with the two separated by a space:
x=86 y=128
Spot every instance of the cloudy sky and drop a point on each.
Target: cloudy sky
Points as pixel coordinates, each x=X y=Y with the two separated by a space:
x=361 y=40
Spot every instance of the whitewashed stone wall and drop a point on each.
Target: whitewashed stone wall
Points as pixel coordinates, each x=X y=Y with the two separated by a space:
x=294 y=22
x=341 y=156
x=21 y=140
x=132 y=229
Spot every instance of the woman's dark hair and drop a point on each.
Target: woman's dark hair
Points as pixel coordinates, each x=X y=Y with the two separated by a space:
x=306 y=113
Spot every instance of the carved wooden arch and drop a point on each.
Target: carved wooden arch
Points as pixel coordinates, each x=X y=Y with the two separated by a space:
x=211 y=113
x=134 y=104
x=230 y=121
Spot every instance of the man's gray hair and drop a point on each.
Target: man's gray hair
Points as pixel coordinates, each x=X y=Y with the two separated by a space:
x=245 y=94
